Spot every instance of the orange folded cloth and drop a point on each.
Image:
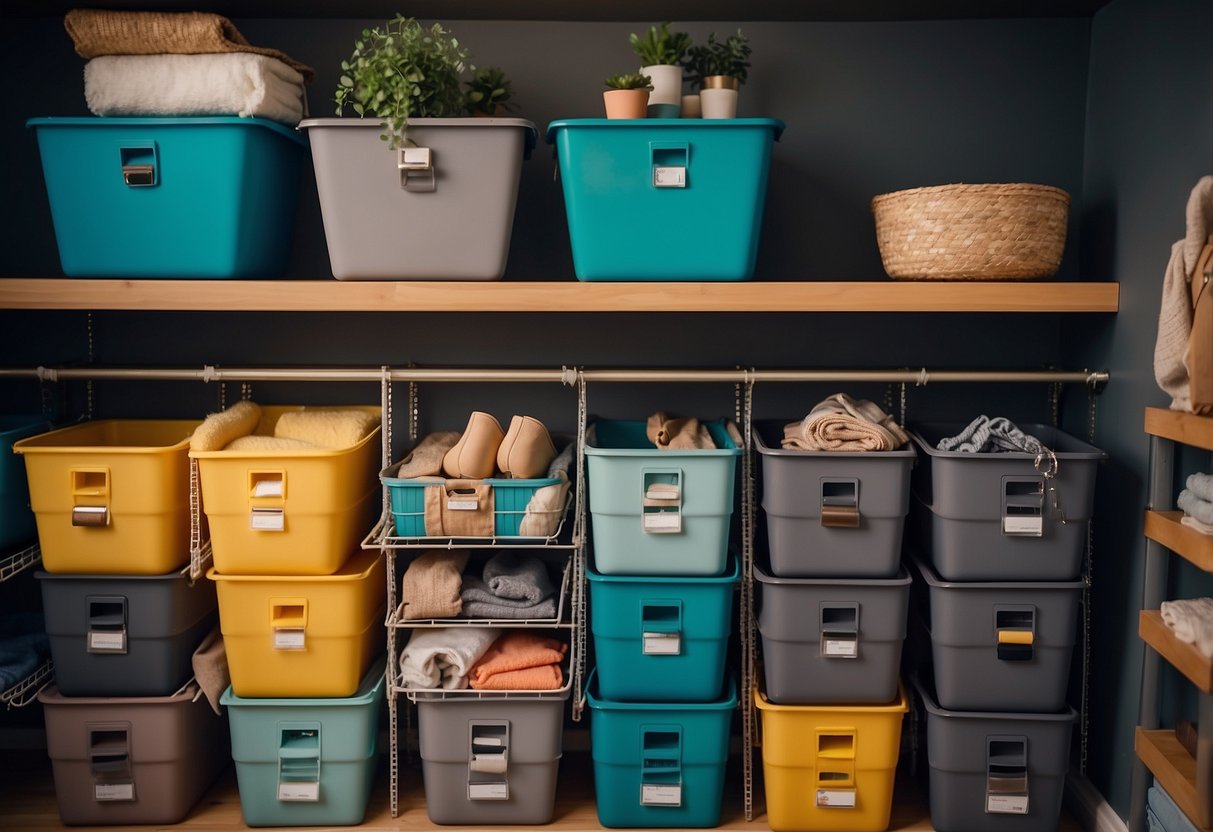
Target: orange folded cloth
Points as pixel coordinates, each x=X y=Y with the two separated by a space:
x=520 y=661
x=678 y=434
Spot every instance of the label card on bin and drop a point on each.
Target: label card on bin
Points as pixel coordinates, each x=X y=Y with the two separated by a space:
x=1007 y=804
x=836 y=798
x=299 y=792
x=664 y=795
x=113 y=791
x=662 y=644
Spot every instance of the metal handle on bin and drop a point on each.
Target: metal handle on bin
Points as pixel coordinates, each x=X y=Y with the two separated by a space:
x=299 y=762
x=488 y=760
x=835 y=766
x=109 y=761
x=670 y=161
x=1007 y=775
x=840 y=503
x=839 y=629
x=107 y=624
x=1015 y=632
x=1023 y=500
x=660 y=765
x=661 y=627
x=90 y=496
x=140 y=164
x=416 y=166
x=661 y=498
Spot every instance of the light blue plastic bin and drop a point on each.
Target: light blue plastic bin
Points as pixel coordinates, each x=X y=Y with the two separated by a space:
x=171 y=197
x=659 y=764
x=661 y=639
x=698 y=184
x=16 y=518
x=306 y=762
x=633 y=534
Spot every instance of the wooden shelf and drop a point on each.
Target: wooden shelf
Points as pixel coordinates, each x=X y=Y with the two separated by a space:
x=1183 y=657
x=1174 y=768
x=555 y=296
x=1186 y=428
x=1164 y=527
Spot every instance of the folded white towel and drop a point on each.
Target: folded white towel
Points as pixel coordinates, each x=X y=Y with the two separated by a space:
x=1201 y=485
x=237 y=83
x=1192 y=622
x=1192 y=523
x=442 y=657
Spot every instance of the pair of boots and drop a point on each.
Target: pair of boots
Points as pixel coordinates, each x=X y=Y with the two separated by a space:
x=525 y=451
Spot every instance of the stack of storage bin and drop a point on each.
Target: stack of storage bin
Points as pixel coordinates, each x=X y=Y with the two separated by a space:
x=661 y=604
x=130 y=738
x=996 y=612
x=832 y=619
x=301 y=608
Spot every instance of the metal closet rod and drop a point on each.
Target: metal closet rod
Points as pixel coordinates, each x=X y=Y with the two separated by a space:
x=565 y=375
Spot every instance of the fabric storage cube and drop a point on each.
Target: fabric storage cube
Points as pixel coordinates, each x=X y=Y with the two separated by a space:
x=111 y=497
x=490 y=758
x=830 y=767
x=998 y=646
x=306 y=762
x=125 y=635
x=132 y=760
x=442 y=208
x=830 y=640
x=992 y=516
x=832 y=513
x=701 y=183
x=289 y=512
x=16 y=519
x=308 y=635
x=207 y=197
x=996 y=771
x=659 y=512
x=659 y=764
x=661 y=639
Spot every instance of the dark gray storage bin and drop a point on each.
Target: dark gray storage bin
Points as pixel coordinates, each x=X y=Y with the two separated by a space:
x=998 y=646
x=490 y=757
x=991 y=516
x=831 y=640
x=125 y=635
x=832 y=514
x=996 y=771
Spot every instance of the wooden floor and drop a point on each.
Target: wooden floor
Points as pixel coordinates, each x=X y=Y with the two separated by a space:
x=27 y=802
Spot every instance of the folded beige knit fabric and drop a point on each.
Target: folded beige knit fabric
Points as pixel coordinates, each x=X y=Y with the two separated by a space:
x=323 y=427
x=840 y=423
x=425 y=460
x=98 y=32
x=677 y=434
x=433 y=583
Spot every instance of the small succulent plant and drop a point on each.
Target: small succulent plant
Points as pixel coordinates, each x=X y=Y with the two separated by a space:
x=630 y=81
x=660 y=46
x=488 y=90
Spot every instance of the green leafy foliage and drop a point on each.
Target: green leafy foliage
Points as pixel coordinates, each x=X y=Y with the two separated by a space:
x=730 y=56
x=630 y=81
x=660 y=46
x=488 y=89
x=403 y=70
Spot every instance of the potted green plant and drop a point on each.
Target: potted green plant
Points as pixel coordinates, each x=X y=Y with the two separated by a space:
x=662 y=53
x=627 y=95
x=719 y=68
x=488 y=93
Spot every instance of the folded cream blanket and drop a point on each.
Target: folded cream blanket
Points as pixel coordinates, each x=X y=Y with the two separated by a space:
x=677 y=434
x=327 y=427
x=443 y=657
x=546 y=506
x=1192 y=622
x=841 y=423
x=96 y=32
x=1194 y=506
x=237 y=84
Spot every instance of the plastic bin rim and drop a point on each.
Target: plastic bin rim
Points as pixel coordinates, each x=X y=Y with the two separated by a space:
x=900 y=705
x=351 y=570
x=727 y=703
x=932 y=578
x=731 y=450
x=50 y=695
x=22 y=421
x=178 y=575
x=532 y=132
x=1089 y=451
x=368 y=691
x=906 y=450
x=928 y=701
x=730 y=576
x=168 y=121
x=776 y=125
x=902 y=578
x=388 y=477
x=33 y=443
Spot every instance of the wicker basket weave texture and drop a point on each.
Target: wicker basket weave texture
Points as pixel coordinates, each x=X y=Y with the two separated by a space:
x=972 y=232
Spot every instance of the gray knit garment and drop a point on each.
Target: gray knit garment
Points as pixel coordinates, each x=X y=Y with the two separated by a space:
x=986 y=435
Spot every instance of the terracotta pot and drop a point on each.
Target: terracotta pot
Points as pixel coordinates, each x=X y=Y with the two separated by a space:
x=625 y=103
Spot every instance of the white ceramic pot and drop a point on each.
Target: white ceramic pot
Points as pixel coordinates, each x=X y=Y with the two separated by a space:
x=665 y=100
x=690 y=106
x=718 y=103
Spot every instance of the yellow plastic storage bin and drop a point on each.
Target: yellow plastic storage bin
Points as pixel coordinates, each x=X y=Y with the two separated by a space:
x=303 y=636
x=111 y=496
x=289 y=512
x=830 y=767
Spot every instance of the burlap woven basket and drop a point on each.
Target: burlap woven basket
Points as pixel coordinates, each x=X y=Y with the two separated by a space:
x=972 y=232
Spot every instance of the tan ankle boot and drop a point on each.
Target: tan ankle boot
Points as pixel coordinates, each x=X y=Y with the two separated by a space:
x=474 y=456
x=527 y=450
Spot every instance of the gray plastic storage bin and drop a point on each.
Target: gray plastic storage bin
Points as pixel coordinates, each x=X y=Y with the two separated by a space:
x=998 y=646
x=131 y=635
x=490 y=757
x=442 y=209
x=992 y=517
x=995 y=771
x=833 y=514
x=831 y=640
x=132 y=760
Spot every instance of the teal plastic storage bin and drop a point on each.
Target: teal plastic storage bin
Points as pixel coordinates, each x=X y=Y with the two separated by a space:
x=700 y=183
x=16 y=518
x=171 y=197
x=659 y=764
x=661 y=639
x=656 y=512
x=306 y=762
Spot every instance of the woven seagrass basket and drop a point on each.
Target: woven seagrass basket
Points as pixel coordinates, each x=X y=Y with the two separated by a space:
x=972 y=232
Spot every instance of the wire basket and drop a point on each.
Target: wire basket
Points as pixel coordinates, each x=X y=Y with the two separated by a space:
x=972 y=232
